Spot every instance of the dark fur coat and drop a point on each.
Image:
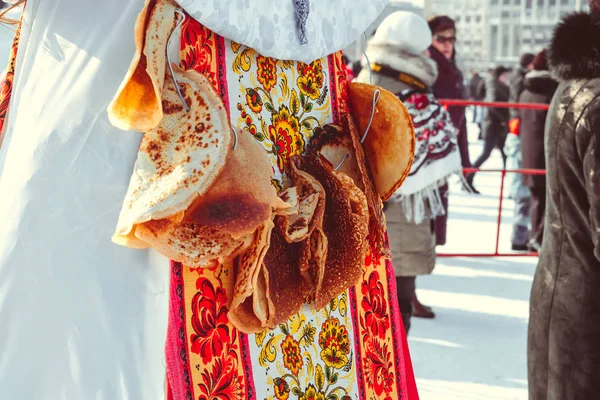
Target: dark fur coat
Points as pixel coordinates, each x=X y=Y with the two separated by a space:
x=564 y=326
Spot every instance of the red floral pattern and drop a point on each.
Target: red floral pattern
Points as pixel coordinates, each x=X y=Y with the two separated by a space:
x=6 y=86
x=198 y=48
x=378 y=366
x=292 y=355
x=222 y=381
x=374 y=305
x=283 y=116
x=267 y=72
x=209 y=320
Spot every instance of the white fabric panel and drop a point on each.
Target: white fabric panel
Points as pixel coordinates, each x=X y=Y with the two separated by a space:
x=269 y=26
x=80 y=318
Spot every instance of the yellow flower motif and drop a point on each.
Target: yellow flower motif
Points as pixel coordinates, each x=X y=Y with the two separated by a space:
x=312 y=394
x=281 y=388
x=310 y=81
x=292 y=356
x=254 y=100
x=284 y=132
x=266 y=72
x=335 y=343
x=334 y=358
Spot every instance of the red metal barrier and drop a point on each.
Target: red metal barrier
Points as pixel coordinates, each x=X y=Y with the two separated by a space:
x=497 y=253
x=503 y=172
x=467 y=103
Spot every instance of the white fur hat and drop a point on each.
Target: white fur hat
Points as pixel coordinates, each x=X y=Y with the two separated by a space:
x=405 y=30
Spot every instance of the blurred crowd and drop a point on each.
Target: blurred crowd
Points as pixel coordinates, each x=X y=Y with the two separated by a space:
x=556 y=209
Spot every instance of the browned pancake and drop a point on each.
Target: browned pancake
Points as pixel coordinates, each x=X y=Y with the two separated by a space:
x=345 y=224
x=242 y=197
x=336 y=144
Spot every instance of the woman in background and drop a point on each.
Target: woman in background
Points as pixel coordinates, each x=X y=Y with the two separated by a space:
x=400 y=64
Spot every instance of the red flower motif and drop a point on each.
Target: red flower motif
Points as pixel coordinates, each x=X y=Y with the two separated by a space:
x=378 y=366
x=196 y=46
x=375 y=306
x=222 y=382
x=266 y=72
x=209 y=321
x=292 y=355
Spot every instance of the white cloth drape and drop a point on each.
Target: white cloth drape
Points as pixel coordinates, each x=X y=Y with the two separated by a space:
x=80 y=318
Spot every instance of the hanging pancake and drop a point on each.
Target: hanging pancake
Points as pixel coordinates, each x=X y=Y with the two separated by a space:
x=286 y=289
x=390 y=141
x=243 y=197
x=181 y=158
x=137 y=104
x=345 y=224
x=191 y=244
x=311 y=206
x=336 y=144
x=248 y=311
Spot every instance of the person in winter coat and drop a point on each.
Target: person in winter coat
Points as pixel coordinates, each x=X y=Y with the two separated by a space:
x=564 y=322
x=477 y=93
x=539 y=87
x=516 y=79
x=449 y=85
x=495 y=123
x=400 y=65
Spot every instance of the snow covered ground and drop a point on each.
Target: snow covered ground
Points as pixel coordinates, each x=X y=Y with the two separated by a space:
x=475 y=348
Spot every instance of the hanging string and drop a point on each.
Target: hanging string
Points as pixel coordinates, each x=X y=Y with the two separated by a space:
x=185 y=104
x=302 y=10
x=376 y=96
x=170 y=66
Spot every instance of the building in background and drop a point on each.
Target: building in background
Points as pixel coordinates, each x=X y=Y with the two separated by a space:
x=497 y=32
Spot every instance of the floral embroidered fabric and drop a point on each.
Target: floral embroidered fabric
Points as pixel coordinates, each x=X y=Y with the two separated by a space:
x=351 y=349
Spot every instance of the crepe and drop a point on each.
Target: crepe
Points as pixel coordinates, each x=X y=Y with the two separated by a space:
x=390 y=142
x=345 y=224
x=272 y=286
x=137 y=104
x=336 y=144
x=181 y=158
x=248 y=311
x=191 y=244
x=243 y=197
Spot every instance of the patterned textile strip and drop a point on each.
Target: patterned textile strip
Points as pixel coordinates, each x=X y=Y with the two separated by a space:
x=355 y=347
x=7 y=85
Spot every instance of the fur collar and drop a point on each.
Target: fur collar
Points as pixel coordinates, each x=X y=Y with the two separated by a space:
x=575 y=48
x=540 y=82
x=418 y=65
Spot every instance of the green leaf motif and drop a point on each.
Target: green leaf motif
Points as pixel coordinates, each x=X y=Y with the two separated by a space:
x=284 y=329
x=296 y=391
x=328 y=373
x=334 y=378
x=269 y=107
x=308 y=107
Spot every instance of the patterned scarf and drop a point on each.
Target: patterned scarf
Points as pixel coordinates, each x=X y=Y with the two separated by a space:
x=436 y=156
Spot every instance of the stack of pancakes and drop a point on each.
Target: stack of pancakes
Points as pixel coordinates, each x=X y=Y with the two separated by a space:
x=202 y=195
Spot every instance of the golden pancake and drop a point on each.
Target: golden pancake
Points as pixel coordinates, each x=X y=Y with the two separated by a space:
x=137 y=104
x=390 y=142
x=181 y=158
